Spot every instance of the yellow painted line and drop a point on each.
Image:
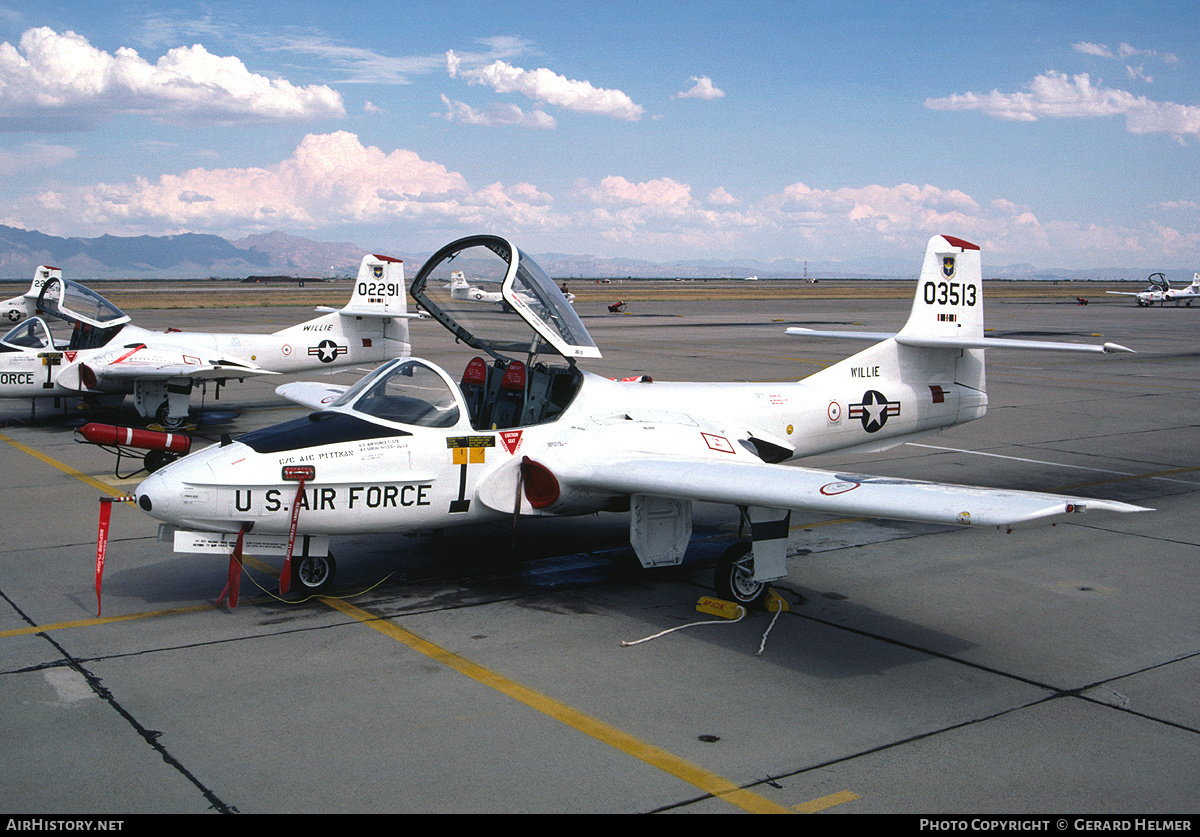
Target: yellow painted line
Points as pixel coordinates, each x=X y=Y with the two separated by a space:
x=824 y=802
x=103 y=620
x=66 y=469
x=1131 y=477
x=648 y=753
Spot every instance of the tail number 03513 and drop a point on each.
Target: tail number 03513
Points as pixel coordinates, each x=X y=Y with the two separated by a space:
x=951 y=293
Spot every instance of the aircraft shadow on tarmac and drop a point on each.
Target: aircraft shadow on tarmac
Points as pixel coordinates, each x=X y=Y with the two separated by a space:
x=557 y=568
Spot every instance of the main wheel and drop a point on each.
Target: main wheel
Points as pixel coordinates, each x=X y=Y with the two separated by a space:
x=313 y=573
x=163 y=415
x=734 y=577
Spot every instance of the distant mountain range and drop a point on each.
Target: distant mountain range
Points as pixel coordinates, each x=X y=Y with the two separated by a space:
x=197 y=256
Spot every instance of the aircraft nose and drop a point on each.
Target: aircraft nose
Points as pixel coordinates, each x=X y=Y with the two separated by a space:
x=154 y=494
x=172 y=494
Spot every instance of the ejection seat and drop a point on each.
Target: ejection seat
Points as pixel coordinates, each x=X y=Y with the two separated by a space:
x=495 y=395
x=475 y=386
x=510 y=400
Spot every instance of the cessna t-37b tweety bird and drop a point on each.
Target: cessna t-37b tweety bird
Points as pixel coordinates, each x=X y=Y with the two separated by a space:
x=462 y=289
x=76 y=344
x=1159 y=290
x=523 y=430
x=18 y=308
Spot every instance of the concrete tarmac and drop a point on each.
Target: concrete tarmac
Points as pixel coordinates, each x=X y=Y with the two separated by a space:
x=919 y=670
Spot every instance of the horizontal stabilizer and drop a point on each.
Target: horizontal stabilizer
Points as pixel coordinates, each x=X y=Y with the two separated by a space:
x=313 y=395
x=954 y=342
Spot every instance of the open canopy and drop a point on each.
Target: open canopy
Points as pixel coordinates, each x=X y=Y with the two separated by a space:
x=70 y=301
x=531 y=316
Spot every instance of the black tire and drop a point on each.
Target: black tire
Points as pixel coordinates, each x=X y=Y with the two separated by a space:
x=155 y=459
x=313 y=573
x=734 y=580
x=163 y=417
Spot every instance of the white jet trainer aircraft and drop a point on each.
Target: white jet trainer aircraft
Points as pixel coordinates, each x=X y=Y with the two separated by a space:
x=525 y=431
x=462 y=289
x=1159 y=290
x=76 y=344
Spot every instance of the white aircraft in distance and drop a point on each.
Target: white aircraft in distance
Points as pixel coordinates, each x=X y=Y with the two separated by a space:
x=16 y=309
x=461 y=289
x=524 y=431
x=77 y=344
x=1160 y=291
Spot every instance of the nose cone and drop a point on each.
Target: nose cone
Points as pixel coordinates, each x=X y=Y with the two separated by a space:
x=159 y=495
x=181 y=494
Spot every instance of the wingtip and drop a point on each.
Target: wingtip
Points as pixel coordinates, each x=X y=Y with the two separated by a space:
x=1113 y=348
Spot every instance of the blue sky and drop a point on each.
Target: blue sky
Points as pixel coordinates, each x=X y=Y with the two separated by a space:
x=1058 y=134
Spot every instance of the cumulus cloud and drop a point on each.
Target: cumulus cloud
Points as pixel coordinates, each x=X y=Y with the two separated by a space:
x=329 y=179
x=1059 y=96
x=62 y=81
x=548 y=87
x=905 y=207
x=702 y=88
x=720 y=197
x=662 y=193
x=495 y=114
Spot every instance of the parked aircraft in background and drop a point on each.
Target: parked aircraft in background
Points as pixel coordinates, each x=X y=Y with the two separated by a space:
x=1160 y=291
x=77 y=344
x=461 y=289
x=523 y=431
x=16 y=309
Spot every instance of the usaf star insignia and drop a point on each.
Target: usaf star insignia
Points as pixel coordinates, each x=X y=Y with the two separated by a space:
x=874 y=410
x=327 y=351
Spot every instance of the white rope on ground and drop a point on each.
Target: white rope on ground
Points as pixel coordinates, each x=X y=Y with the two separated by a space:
x=741 y=616
x=762 y=645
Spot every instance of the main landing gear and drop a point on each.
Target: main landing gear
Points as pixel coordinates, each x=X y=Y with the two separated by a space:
x=734 y=577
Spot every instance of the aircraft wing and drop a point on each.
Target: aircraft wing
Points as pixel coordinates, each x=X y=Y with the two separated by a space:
x=139 y=371
x=825 y=492
x=313 y=395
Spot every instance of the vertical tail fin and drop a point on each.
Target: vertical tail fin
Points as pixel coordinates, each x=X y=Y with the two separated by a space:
x=379 y=289
x=936 y=345
x=948 y=303
x=19 y=307
x=373 y=325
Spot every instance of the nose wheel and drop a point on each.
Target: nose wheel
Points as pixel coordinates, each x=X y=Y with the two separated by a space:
x=734 y=577
x=313 y=573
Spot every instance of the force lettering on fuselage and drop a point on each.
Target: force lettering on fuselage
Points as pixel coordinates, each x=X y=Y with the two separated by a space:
x=334 y=499
x=16 y=378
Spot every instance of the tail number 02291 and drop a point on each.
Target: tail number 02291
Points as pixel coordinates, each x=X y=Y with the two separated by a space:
x=951 y=293
x=380 y=288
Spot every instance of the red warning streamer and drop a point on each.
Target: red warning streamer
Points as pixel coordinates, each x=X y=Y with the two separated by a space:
x=102 y=539
x=285 y=576
x=233 y=584
x=102 y=543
